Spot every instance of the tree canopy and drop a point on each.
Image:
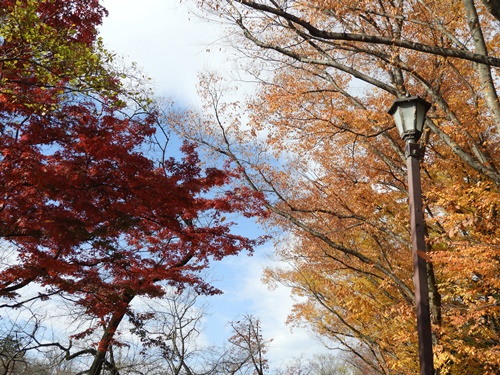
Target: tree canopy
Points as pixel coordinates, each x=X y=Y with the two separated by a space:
x=89 y=214
x=321 y=147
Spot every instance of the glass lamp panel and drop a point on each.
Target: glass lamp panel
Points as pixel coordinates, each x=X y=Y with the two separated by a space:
x=409 y=116
x=399 y=120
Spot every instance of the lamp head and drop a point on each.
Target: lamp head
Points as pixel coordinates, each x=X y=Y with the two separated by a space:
x=409 y=116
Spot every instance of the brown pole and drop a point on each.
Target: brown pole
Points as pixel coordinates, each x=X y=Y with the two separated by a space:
x=413 y=155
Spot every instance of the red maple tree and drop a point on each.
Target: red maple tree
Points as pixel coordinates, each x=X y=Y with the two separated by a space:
x=89 y=215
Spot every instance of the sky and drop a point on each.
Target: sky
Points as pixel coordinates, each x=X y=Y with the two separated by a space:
x=172 y=46
x=164 y=38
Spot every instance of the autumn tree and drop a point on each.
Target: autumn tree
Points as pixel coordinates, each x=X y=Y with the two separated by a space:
x=320 y=364
x=25 y=348
x=89 y=216
x=171 y=339
x=321 y=147
x=246 y=353
x=12 y=356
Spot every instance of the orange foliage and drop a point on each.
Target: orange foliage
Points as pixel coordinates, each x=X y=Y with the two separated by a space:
x=321 y=146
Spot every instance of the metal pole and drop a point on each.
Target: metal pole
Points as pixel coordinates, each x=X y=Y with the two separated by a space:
x=413 y=156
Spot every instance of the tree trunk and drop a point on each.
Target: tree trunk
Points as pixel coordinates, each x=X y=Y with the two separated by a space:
x=483 y=70
x=107 y=337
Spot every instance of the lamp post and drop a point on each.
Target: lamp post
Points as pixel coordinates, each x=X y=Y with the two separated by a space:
x=409 y=115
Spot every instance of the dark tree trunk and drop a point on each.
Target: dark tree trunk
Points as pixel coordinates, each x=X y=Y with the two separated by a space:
x=107 y=337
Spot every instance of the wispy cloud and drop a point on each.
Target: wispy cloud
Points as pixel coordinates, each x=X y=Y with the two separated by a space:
x=171 y=45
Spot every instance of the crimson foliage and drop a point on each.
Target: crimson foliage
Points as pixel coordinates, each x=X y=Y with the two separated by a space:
x=89 y=215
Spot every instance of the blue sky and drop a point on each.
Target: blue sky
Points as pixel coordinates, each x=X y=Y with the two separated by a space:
x=172 y=46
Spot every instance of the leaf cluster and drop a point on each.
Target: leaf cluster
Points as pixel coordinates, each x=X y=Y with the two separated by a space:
x=321 y=147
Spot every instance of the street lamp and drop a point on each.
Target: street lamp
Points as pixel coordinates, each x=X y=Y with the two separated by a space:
x=409 y=115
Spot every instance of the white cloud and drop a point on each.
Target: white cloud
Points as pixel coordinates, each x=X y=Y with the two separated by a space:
x=165 y=40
